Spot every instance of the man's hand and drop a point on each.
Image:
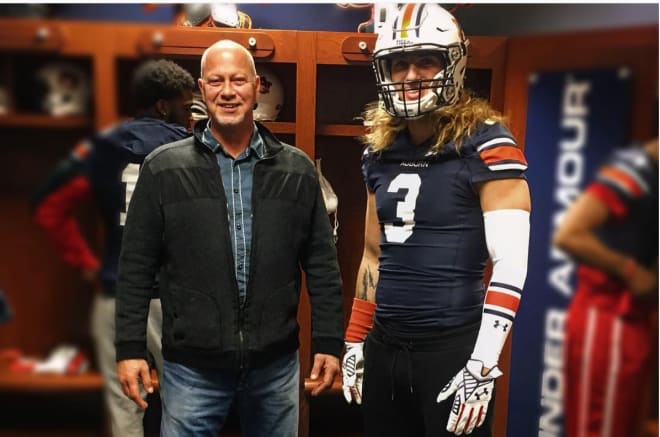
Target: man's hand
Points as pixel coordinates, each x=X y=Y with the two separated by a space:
x=352 y=369
x=473 y=392
x=128 y=373
x=326 y=366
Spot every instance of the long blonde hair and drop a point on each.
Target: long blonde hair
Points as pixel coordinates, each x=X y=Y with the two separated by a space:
x=450 y=123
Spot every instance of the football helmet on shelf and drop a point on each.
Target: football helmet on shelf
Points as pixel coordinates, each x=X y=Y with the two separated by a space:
x=63 y=89
x=270 y=96
x=212 y=15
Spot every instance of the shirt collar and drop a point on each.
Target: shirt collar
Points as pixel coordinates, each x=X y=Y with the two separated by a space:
x=256 y=146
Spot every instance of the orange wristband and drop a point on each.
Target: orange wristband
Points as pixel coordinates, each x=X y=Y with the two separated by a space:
x=361 y=321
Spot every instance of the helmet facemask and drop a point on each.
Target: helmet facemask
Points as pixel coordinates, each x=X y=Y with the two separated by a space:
x=443 y=88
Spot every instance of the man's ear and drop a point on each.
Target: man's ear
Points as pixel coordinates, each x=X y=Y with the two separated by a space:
x=162 y=107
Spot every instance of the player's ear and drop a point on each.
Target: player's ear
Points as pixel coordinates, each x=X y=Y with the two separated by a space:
x=162 y=107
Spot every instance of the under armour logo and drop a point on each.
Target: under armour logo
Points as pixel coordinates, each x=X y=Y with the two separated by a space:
x=504 y=326
x=483 y=393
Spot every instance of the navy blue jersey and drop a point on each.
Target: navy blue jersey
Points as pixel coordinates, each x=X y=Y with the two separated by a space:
x=112 y=176
x=433 y=249
x=104 y=167
x=628 y=184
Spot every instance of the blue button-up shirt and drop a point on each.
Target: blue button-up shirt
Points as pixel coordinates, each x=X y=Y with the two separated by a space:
x=237 y=178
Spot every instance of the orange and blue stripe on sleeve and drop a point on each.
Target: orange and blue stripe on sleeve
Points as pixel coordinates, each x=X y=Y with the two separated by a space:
x=502 y=154
x=502 y=300
x=81 y=151
x=625 y=181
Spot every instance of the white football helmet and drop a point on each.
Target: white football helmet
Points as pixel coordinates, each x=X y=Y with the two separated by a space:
x=66 y=89
x=224 y=14
x=270 y=96
x=412 y=28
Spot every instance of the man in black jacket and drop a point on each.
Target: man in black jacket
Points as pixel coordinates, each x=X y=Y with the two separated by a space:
x=228 y=219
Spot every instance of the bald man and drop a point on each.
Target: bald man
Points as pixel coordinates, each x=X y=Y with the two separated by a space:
x=228 y=219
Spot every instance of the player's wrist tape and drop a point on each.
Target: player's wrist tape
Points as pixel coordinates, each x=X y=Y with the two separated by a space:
x=361 y=321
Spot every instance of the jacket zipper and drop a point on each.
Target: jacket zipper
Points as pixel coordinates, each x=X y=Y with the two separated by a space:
x=241 y=354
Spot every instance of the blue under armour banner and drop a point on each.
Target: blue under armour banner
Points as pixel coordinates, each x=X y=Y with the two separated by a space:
x=574 y=120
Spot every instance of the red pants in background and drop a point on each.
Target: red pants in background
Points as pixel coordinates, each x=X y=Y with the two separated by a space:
x=607 y=365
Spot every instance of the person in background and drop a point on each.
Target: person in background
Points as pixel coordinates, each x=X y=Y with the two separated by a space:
x=611 y=230
x=230 y=219
x=104 y=169
x=445 y=190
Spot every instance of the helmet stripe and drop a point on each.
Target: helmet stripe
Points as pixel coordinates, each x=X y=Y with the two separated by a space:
x=407 y=16
x=418 y=22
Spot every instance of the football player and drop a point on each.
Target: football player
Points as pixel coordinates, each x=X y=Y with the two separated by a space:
x=445 y=191
x=105 y=168
x=611 y=230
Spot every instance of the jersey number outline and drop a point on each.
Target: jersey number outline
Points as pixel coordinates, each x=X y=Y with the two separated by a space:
x=405 y=209
x=129 y=177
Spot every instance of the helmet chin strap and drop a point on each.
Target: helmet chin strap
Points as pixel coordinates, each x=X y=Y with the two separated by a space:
x=415 y=109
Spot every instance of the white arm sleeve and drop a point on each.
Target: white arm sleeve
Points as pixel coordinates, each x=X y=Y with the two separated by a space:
x=507 y=239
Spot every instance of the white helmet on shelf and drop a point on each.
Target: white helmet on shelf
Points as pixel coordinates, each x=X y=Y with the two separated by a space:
x=65 y=88
x=225 y=14
x=270 y=96
x=415 y=28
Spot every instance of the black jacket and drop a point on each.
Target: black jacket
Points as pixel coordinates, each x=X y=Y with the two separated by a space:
x=177 y=226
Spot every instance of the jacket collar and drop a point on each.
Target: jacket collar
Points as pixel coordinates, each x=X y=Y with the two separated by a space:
x=272 y=145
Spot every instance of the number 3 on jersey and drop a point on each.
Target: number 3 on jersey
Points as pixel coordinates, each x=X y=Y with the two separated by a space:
x=129 y=177
x=405 y=209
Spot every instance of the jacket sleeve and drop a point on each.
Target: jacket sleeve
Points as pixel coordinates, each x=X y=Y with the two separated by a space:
x=139 y=262
x=319 y=261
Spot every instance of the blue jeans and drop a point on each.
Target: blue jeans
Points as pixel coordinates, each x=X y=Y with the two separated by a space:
x=195 y=402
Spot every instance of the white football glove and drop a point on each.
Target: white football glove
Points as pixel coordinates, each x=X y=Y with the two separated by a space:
x=473 y=393
x=352 y=370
